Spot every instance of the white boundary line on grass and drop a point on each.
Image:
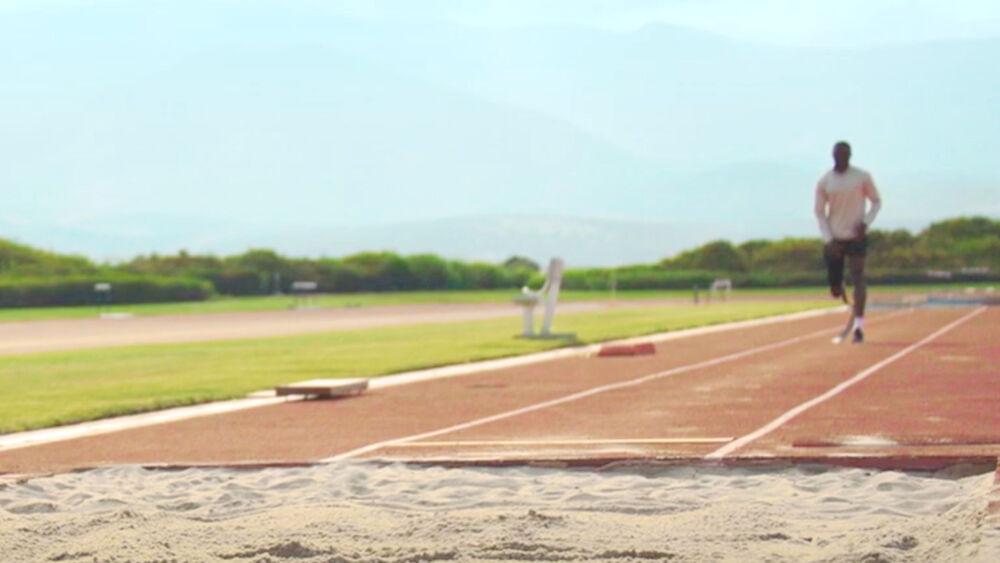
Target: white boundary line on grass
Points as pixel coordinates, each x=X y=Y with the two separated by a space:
x=108 y=425
x=582 y=394
x=860 y=376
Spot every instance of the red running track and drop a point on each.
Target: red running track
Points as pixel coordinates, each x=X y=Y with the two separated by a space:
x=924 y=391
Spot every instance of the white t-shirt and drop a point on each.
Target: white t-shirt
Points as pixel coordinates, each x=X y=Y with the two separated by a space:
x=840 y=203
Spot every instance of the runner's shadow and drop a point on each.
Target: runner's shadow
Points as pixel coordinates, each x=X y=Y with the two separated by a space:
x=566 y=337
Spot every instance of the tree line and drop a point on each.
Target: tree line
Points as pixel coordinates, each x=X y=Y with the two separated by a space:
x=959 y=249
x=946 y=245
x=262 y=272
x=966 y=248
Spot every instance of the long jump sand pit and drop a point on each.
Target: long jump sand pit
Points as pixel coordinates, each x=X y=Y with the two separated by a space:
x=538 y=461
x=355 y=511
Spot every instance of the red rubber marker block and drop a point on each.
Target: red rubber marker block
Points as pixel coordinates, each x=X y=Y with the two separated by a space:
x=645 y=349
x=612 y=350
x=615 y=350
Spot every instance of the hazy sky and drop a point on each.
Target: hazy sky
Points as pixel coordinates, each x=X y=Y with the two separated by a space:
x=804 y=22
x=134 y=125
x=797 y=22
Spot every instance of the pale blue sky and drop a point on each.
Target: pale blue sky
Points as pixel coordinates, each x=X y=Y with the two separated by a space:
x=795 y=22
x=131 y=126
x=803 y=22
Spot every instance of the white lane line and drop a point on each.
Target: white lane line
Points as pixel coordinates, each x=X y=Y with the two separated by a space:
x=860 y=376
x=108 y=425
x=595 y=442
x=583 y=394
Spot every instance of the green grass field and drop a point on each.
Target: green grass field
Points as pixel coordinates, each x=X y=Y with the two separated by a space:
x=283 y=303
x=280 y=303
x=41 y=390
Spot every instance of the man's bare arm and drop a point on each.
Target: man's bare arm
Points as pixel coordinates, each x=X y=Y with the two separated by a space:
x=875 y=201
x=875 y=204
x=821 y=217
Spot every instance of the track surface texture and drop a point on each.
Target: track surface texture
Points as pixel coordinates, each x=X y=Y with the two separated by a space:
x=924 y=390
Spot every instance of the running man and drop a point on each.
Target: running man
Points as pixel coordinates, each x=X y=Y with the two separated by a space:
x=843 y=221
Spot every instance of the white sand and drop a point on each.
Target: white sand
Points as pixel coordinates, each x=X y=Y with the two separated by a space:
x=365 y=512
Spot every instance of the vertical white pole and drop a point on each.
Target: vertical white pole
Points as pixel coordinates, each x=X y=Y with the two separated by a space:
x=529 y=320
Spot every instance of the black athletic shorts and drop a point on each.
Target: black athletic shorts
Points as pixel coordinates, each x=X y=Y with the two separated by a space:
x=850 y=247
x=835 y=254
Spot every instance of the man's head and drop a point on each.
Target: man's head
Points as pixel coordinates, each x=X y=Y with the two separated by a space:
x=841 y=156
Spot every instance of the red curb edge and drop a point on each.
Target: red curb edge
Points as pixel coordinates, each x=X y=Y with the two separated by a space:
x=877 y=463
x=882 y=463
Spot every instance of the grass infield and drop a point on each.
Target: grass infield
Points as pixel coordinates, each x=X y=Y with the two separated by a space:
x=41 y=390
x=284 y=302
x=340 y=300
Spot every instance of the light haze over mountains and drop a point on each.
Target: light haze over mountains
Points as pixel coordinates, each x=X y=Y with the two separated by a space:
x=327 y=128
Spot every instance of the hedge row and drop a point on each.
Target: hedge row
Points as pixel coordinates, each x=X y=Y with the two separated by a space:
x=263 y=272
x=643 y=277
x=79 y=290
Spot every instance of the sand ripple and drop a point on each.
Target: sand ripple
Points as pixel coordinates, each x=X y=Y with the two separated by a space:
x=366 y=512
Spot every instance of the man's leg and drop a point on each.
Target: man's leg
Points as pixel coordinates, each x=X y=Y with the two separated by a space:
x=856 y=263
x=833 y=254
x=857 y=267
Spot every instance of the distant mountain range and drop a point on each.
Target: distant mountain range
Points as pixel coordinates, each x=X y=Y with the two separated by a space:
x=129 y=129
